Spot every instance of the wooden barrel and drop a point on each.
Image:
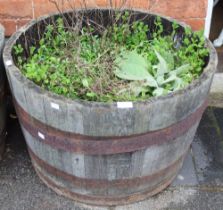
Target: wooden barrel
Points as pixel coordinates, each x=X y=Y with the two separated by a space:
x=2 y=96
x=106 y=153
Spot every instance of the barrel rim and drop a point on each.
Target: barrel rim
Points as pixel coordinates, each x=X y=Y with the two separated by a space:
x=12 y=68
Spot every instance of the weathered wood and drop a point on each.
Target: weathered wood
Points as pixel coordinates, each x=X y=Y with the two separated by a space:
x=96 y=187
x=112 y=167
x=167 y=153
x=97 y=153
x=2 y=97
x=56 y=113
x=104 y=145
x=34 y=101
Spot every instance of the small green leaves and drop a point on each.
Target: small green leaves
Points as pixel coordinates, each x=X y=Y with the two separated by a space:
x=91 y=94
x=18 y=49
x=158 y=91
x=180 y=70
x=162 y=66
x=127 y=61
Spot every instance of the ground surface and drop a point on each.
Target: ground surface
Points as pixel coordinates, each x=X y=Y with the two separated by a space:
x=198 y=186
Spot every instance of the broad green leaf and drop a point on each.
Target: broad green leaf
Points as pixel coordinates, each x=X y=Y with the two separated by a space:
x=158 y=91
x=169 y=79
x=151 y=81
x=180 y=70
x=169 y=58
x=162 y=66
x=133 y=66
x=160 y=80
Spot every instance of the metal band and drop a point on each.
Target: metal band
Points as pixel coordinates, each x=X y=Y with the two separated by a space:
x=105 y=145
x=104 y=201
x=47 y=172
x=90 y=183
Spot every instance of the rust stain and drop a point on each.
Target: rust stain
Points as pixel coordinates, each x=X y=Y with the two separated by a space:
x=93 y=145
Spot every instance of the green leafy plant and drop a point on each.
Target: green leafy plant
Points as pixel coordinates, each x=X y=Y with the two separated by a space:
x=133 y=66
x=117 y=63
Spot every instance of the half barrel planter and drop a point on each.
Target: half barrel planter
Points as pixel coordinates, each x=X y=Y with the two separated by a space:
x=2 y=96
x=100 y=153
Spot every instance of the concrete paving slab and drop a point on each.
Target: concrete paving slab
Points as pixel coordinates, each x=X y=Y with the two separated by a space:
x=207 y=148
x=184 y=178
x=200 y=157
